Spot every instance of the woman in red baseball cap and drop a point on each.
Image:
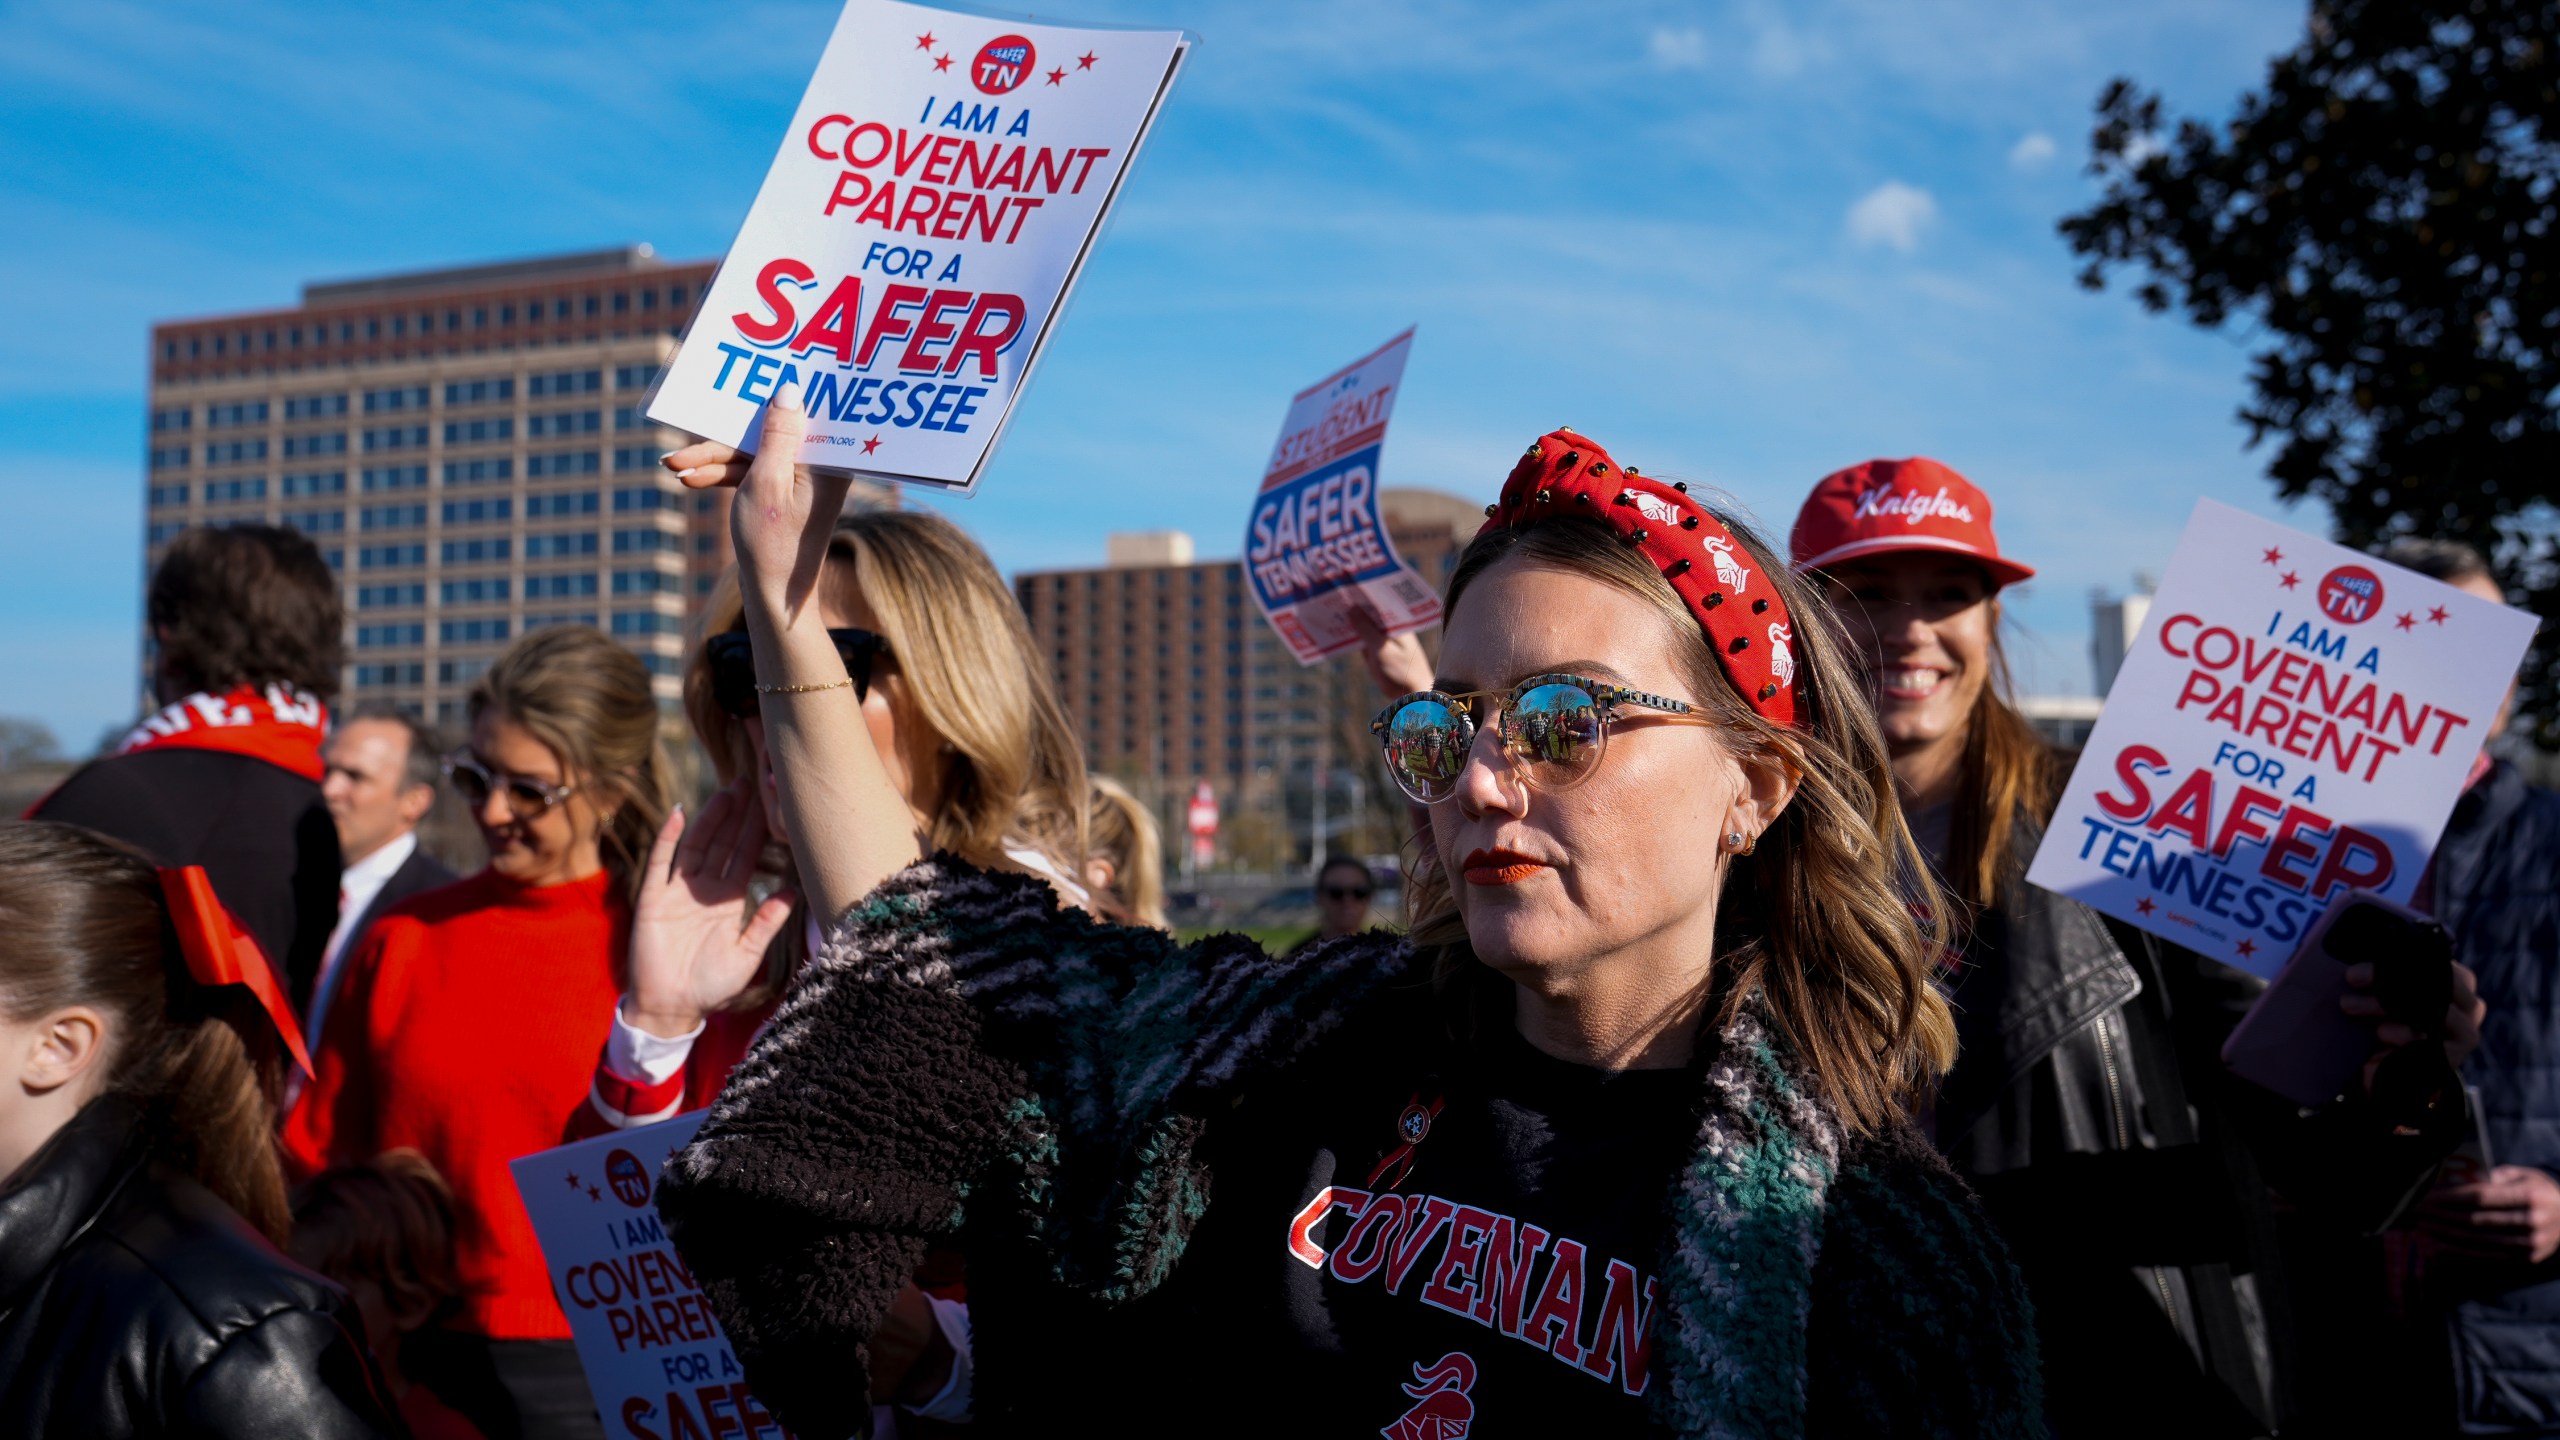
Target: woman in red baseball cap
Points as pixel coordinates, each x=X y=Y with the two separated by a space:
x=2118 y=1158
x=1613 y=1143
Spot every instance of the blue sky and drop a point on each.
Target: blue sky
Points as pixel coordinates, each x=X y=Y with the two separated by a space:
x=1745 y=244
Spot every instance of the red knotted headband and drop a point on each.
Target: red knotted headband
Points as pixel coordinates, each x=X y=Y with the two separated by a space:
x=219 y=953
x=1745 y=618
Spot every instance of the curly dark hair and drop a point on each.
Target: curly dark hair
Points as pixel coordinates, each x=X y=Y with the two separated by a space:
x=246 y=605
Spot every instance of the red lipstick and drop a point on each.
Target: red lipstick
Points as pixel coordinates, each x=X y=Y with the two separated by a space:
x=1500 y=867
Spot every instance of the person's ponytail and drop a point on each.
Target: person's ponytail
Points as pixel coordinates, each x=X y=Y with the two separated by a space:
x=211 y=1101
x=87 y=924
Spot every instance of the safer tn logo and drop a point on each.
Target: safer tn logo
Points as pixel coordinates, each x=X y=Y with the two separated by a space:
x=1003 y=64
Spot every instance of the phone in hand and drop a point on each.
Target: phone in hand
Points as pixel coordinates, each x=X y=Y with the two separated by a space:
x=2296 y=1041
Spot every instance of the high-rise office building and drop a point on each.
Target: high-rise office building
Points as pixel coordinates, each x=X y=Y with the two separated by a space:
x=2114 y=624
x=1171 y=676
x=466 y=446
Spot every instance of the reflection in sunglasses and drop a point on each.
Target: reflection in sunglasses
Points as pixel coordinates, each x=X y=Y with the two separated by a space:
x=1554 y=725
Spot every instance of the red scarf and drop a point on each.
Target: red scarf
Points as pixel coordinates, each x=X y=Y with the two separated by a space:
x=281 y=726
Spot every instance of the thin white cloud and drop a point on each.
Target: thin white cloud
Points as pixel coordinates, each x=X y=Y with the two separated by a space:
x=2033 y=151
x=1677 y=49
x=1892 y=214
x=1779 y=51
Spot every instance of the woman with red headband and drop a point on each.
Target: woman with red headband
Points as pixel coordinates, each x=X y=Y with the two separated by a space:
x=141 y=1204
x=1613 y=1143
x=2087 y=1104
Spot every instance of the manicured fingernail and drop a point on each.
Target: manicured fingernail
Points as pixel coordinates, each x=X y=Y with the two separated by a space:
x=686 y=474
x=787 y=395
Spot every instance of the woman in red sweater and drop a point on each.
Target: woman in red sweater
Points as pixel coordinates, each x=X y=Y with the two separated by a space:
x=472 y=1015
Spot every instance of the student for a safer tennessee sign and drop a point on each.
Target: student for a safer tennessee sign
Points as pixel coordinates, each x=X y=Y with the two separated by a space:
x=2296 y=719
x=656 y=1360
x=1317 y=549
x=939 y=189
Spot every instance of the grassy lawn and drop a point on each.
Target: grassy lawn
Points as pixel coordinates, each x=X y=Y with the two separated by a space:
x=1276 y=940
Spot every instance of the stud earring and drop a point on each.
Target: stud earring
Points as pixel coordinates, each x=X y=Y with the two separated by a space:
x=1733 y=841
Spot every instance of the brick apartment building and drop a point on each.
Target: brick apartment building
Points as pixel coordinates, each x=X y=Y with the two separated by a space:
x=1172 y=677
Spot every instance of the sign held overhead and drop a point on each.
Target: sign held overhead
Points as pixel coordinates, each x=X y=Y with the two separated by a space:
x=906 y=260
x=1317 y=549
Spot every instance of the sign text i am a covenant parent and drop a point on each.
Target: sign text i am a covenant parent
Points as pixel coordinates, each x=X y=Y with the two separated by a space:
x=938 y=192
x=2295 y=720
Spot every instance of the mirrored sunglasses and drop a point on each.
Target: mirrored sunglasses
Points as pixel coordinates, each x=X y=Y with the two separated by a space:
x=732 y=659
x=527 y=799
x=1553 y=727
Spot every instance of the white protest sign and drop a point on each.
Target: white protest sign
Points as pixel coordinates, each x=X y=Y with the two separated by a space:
x=655 y=1358
x=1317 y=549
x=2296 y=718
x=936 y=196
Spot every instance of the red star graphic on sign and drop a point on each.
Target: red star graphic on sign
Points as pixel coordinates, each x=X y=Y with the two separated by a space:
x=925 y=41
x=573 y=1182
x=1085 y=60
x=594 y=1194
x=871 y=444
x=1057 y=75
x=2146 y=905
x=2438 y=615
x=2290 y=580
x=2406 y=621
x=2273 y=556
x=942 y=62
x=2247 y=947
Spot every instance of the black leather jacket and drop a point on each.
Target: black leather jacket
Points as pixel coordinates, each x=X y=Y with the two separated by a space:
x=135 y=1303
x=2131 y=1173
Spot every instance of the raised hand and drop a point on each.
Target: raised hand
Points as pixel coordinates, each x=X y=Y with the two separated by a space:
x=783 y=516
x=2511 y=1214
x=697 y=939
x=1396 y=664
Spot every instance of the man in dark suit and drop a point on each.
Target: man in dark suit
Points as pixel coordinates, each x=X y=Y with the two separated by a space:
x=246 y=628
x=380 y=782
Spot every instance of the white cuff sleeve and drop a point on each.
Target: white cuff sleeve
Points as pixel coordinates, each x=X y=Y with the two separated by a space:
x=951 y=1403
x=634 y=1055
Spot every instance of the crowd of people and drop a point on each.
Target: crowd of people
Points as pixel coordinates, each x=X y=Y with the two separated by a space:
x=1723 y=1076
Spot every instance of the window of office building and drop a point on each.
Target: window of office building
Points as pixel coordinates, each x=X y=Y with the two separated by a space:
x=478 y=512
x=479 y=472
x=482 y=431
x=539 y=547
x=478 y=552
x=567 y=462
x=565 y=502
x=481 y=590
x=561 y=423
x=557 y=587
x=564 y=382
